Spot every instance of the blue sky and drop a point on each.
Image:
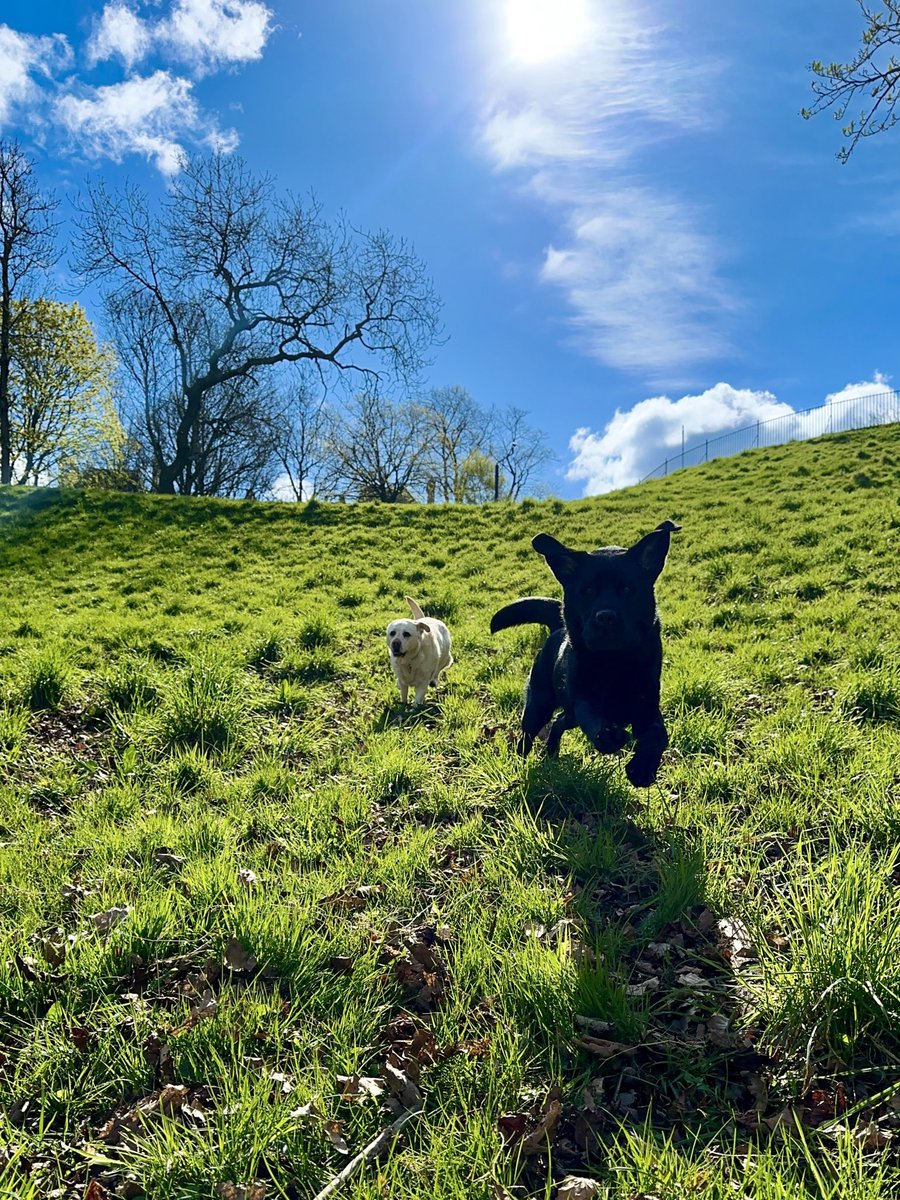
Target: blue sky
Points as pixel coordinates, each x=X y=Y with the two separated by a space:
x=618 y=202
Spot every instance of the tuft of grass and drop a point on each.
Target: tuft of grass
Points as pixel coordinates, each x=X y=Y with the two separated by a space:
x=47 y=678
x=872 y=695
x=206 y=705
x=837 y=991
x=131 y=683
x=13 y=727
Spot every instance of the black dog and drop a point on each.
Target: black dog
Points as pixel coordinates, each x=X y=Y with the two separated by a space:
x=601 y=663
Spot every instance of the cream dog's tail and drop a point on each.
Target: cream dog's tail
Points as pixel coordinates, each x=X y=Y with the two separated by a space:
x=417 y=613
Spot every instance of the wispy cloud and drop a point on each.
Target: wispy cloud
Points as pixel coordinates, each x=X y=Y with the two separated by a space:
x=154 y=114
x=151 y=116
x=203 y=34
x=635 y=262
x=636 y=441
x=119 y=33
x=24 y=60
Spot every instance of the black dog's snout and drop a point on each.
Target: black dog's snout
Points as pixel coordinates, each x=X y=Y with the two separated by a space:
x=605 y=618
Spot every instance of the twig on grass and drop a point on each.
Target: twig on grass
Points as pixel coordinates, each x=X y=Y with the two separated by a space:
x=369 y=1152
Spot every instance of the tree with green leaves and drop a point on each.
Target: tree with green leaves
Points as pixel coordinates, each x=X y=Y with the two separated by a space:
x=26 y=250
x=63 y=420
x=225 y=279
x=871 y=76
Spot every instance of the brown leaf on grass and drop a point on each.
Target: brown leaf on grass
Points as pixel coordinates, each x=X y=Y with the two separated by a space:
x=512 y=1126
x=592 y=1025
x=399 y=1083
x=691 y=979
x=166 y=1102
x=358 y=1088
x=418 y=967
x=53 y=949
x=284 y=1082
x=538 y=1138
x=165 y=859
x=82 y=1037
x=103 y=922
x=531 y=1132
x=238 y=958
x=735 y=942
x=576 y=1187
x=354 y=896
x=718 y=1030
x=305 y=1110
x=333 y=1131
x=602 y=1048
x=95 y=1191
x=243 y=1191
x=641 y=989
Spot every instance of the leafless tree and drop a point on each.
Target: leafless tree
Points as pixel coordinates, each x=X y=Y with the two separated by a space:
x=302 y=436
x=377 y=450
x=232 y=279
x=521 y=452
x=234 y=431
x=455 y=427
x=26 y=249
x=872 y=74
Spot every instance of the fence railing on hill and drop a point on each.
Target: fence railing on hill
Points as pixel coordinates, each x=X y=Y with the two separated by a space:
x=859 y=412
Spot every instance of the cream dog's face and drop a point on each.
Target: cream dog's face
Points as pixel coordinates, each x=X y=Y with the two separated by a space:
x=403 y=638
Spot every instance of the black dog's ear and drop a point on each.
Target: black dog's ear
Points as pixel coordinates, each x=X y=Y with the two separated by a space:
x=650 y=552
x=562 y=561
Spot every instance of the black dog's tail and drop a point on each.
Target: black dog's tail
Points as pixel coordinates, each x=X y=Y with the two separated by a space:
x=532 y=610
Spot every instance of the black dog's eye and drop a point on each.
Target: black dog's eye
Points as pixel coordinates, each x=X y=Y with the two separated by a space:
x=406 y=633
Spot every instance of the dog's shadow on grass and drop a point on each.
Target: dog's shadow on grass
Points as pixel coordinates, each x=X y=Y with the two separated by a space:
x=398 y=715
x=659 y=1034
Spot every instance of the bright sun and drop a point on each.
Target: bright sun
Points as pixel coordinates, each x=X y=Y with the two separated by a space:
x=539 y=30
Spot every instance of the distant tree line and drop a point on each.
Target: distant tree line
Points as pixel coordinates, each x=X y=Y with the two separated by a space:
x=255 y=348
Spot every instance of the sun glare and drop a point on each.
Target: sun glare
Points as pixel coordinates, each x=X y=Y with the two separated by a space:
x=539 y=30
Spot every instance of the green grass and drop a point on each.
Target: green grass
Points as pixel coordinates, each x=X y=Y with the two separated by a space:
x=234 y=872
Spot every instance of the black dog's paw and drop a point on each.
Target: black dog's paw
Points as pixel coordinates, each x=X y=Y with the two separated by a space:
x=641 y=771
x=524 y=742
x=610 y=739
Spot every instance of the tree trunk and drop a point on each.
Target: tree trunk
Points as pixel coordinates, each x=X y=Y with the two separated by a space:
x=5 y=323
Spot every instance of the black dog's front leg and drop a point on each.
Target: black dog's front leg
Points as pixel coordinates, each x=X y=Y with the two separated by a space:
x=605 y=736
x=651 y=740
x=561 y=722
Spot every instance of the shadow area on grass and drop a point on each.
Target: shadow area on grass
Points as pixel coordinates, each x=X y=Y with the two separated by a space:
x=396 y=715
x=660 y=1041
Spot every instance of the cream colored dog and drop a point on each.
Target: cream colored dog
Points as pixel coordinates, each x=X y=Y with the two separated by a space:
x=419 y=650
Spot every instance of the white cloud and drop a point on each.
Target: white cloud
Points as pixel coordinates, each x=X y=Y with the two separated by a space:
x=204 y=34
x=152 y=116
x=119 y=33
x=636 y=264
x=528 y=136
x=638 y=276
x=211 y=33
x=636 y=442
x=22 y=56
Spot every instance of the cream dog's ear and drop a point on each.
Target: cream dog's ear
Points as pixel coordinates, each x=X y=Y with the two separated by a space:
x=422 y=627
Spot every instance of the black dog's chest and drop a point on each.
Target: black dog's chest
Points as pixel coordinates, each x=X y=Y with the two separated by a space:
x=616 y=685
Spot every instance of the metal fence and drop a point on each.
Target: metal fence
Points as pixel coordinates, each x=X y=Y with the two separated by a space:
x=859 y=412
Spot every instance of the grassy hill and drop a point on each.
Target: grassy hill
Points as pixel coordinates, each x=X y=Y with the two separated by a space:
x=251 y=911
